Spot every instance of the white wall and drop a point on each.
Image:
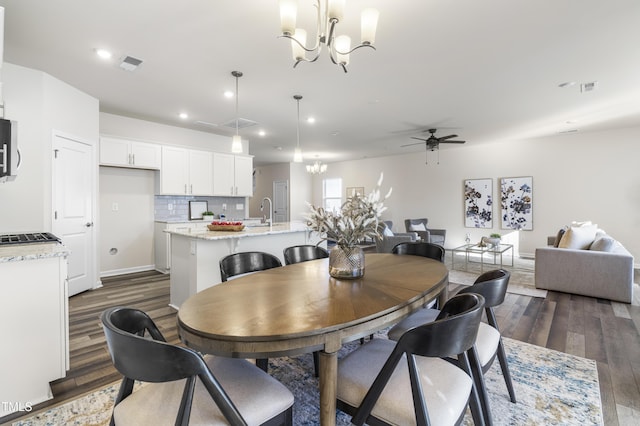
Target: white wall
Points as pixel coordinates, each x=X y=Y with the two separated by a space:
x=300 y=191
x=129 y=229
x=40 y=104
x=590 y=176
x=264 y=178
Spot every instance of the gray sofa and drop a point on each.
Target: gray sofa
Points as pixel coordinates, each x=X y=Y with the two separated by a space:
x=589 y=272
x=390 y=239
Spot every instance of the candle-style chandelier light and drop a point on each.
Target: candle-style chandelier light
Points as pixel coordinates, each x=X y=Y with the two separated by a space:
x=316 y=168
x=329 y=14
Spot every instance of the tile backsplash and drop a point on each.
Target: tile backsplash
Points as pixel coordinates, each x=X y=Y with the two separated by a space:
x=176 y=208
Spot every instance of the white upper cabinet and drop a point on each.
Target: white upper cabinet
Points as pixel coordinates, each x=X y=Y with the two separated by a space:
x=232 y=175
x=127 y=153
x=186 y=172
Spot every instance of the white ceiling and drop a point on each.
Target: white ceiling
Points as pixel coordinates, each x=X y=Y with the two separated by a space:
x=487 y=70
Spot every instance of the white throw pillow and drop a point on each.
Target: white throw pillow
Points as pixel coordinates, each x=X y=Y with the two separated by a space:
x=387 y=232
x=603 y=244
x=578 y=237
x=418 y=227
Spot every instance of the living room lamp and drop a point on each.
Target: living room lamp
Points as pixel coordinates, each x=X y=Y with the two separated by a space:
x=329 y=14
x=236 y=142
x=297 y=153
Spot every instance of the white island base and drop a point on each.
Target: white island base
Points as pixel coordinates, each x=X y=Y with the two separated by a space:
x=195 y=255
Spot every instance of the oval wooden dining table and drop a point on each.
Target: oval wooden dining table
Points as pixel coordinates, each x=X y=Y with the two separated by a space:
x=300 y=308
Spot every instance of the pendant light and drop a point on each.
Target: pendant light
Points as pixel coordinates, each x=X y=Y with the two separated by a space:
x=236 y=144
x=297 y=154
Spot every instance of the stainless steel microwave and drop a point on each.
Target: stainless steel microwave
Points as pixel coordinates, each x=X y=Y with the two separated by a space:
x=9 y=153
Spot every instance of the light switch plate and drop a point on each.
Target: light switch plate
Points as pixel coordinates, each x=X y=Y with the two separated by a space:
x=239 y=206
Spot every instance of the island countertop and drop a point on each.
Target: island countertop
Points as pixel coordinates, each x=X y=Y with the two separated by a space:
x=248 y=231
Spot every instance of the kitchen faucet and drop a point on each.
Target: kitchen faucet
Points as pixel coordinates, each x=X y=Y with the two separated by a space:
x=270 y=210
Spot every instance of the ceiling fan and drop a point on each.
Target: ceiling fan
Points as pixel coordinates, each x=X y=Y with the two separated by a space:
x=433 y=143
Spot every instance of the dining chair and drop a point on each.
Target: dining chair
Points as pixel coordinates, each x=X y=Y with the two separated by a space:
x=420 y=248
x=243 y=263
x=423 y=378
x=180 y=384
x=492 y=285
x=303 y=253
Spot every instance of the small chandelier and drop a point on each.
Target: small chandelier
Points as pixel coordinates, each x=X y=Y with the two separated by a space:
x=236 y=143
x=297 y=153
x=316 y=168
x=329 y=13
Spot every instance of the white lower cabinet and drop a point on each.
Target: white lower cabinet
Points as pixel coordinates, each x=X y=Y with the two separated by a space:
x=34 y=325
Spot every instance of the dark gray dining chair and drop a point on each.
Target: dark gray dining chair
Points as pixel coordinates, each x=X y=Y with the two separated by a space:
x=423 y=378
x=492 y=285
x=180 y=384
x=243 y=263
x=303 y=253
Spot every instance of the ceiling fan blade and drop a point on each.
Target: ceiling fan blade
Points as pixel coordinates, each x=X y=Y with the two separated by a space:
x=412 y=144
x=443 y=138
x=453 y=141
x=420 y=139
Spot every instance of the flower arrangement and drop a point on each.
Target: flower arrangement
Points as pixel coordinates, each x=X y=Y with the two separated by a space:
x=358 y=218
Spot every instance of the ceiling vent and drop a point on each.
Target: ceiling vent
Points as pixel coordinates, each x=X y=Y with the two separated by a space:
x=242 y=123
x=129 y=63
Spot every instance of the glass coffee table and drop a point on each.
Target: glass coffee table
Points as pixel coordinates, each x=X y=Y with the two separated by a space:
x=495 y=251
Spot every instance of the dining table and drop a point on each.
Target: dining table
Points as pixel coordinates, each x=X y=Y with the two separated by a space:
x=300 y=308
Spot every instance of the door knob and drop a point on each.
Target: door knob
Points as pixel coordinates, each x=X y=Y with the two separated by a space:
x=88 y=224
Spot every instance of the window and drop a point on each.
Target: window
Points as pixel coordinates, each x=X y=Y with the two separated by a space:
x=332 y=194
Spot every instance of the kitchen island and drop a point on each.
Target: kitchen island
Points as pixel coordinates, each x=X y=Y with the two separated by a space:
x=33 y=323
x=196 y=253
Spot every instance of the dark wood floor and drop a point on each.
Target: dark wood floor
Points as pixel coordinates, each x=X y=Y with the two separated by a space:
x=597 y=329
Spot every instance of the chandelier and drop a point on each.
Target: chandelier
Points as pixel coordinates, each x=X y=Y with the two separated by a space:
x=236 y=143
x=297 y=153
x=329 y=14
x=316 y=168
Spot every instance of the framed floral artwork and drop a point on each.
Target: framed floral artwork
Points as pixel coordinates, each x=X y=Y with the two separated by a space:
x=516 y=196
x=478 y=203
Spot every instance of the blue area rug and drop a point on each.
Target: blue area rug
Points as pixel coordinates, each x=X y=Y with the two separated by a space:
x=552 y=388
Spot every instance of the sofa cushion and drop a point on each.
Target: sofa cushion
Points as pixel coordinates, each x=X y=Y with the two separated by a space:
x=578 y=237
x=603 y=244
x=559 y=236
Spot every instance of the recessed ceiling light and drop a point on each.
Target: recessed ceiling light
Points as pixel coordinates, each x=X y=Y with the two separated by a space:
x=311 y=120
x=183 y=115
x=567 y=84
x=262 y=133
x=103 y=53
x=228 y=94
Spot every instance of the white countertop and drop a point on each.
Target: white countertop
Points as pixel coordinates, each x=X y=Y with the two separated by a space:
x=31 y=251
x=248 y=231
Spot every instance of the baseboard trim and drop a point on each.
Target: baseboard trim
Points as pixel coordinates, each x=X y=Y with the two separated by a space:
x=127 y=270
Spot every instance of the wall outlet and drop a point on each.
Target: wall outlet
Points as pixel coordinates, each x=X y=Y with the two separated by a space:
x=224 y=207
x=114 y=207
x=239 y=206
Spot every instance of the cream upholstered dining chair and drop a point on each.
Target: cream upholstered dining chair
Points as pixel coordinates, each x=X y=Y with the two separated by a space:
x=435 y=236
x=182 y=385
x=243 y=263
x=492 y=285
x=412 y=381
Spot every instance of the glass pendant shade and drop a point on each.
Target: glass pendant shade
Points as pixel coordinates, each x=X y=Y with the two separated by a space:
x=297 y=155
x=236 y=145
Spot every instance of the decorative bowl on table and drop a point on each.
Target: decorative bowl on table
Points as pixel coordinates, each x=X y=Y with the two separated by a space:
x=225 y=225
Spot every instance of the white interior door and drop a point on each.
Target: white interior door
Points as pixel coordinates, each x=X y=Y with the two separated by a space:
x=280 y=201
x=74 y=186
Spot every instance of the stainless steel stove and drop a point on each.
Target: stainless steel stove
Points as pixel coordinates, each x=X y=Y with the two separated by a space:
x=36 y=237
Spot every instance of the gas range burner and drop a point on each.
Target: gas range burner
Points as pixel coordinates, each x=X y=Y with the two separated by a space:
x=36 y=237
